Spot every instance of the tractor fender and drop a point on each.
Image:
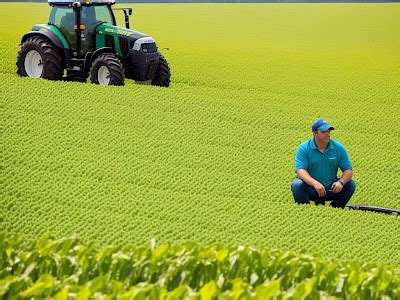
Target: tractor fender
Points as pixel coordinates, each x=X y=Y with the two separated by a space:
x=46 y=33
x=53 y=38
x=90 y=57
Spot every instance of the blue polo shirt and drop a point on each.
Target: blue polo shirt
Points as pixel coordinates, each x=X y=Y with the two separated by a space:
x=323 y=167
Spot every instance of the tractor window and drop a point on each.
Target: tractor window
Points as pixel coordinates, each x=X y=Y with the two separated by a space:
x=92 y=16
x=64 y=18
x=103 y=14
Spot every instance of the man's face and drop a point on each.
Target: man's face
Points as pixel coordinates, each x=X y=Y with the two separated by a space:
x=323 y=136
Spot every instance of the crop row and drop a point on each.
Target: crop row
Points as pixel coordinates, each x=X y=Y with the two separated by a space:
x=67 y=268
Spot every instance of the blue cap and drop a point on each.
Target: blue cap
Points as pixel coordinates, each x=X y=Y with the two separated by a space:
x=321 y=125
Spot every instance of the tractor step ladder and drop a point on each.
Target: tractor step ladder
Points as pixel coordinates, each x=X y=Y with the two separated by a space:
x=76 y=70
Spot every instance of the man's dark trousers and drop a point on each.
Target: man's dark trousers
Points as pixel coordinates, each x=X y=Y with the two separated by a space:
x=303 y=193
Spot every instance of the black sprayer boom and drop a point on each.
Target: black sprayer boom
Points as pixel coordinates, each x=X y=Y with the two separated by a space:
x=388 y=211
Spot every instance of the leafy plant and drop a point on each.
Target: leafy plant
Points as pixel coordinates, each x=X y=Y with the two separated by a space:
x=67 y=268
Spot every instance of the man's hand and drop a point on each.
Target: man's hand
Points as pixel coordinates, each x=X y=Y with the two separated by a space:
x=336 y=187
x=305 y=176
x=320 y=189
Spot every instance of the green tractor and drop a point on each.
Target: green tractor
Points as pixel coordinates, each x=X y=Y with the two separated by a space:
x=82 y=38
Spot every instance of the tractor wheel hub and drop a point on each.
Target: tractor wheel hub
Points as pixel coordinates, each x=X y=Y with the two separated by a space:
x=33 y=64
x=103 y=75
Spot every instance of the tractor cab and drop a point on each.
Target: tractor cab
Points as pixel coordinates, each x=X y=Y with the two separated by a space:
x=64 y=18
x=82 y=38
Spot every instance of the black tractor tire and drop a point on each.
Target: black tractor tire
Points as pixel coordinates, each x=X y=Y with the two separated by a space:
x=162 y=76
x=50 y=58
x=114 y=68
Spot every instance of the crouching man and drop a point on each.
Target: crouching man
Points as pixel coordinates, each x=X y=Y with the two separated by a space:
x=316 y=164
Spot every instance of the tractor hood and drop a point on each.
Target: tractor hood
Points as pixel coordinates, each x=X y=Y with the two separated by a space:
x=123 y=40
x=124 y=32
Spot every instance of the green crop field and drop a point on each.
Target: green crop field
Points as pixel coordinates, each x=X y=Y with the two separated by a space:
x=210 y=159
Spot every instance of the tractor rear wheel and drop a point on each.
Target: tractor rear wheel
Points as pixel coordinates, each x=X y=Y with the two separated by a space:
x=162 y=76
x=39 y=58
x=107 y=69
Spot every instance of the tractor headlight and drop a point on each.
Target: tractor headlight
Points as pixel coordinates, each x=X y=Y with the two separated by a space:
x=146 y=44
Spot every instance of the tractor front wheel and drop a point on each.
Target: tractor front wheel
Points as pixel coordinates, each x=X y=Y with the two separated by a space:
x=39 y=58
x=107 y=70
x=163 y=73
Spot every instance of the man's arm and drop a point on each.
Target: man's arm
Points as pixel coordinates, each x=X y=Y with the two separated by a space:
x=301 y=166
x=346 y=176
x=306 y=177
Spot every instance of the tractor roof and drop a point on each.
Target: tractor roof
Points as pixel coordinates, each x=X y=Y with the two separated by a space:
x=84 y=2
